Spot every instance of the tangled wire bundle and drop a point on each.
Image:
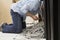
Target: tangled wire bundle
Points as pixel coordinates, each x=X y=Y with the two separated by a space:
x=35 y=31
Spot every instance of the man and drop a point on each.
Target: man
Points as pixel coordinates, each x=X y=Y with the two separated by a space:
x=19 y=11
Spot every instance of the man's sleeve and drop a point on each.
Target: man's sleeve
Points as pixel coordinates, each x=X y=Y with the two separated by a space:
x=24 y=9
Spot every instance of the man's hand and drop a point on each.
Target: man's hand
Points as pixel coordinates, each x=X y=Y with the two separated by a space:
x=35 y=17
x=32 y=16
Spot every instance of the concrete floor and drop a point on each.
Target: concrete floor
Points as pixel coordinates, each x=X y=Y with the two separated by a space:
x=9 y=36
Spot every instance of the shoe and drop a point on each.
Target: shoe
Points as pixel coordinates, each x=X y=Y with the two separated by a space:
x=23 y=25
x=3 y=25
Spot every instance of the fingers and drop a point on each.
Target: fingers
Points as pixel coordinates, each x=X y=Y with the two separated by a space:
x=35 y=18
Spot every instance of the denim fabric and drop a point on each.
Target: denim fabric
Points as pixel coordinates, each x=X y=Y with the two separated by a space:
x=17 y=26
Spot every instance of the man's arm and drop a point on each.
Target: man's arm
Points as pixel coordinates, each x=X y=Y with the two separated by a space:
x=31 y=15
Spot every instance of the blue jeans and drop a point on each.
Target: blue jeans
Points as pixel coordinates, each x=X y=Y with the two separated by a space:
x=18 y=24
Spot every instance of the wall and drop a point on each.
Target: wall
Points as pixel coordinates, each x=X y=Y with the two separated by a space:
x=4 y=11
